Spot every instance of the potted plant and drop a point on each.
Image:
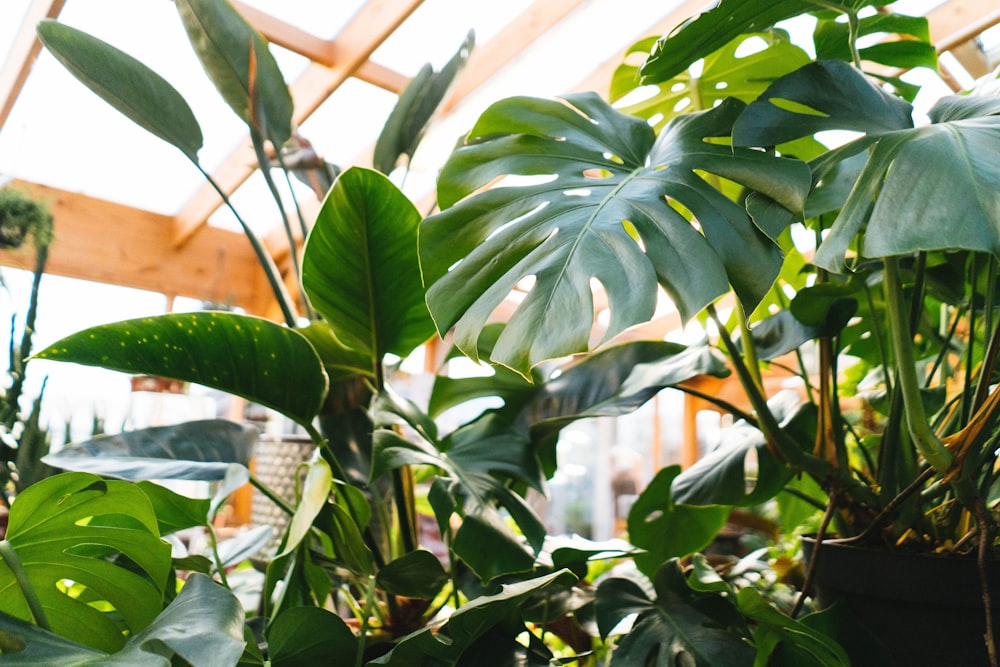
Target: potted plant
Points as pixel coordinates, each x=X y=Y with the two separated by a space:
x=352 y=541
x=875 y=255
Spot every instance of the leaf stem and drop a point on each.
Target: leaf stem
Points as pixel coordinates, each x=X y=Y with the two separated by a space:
x=9 y=557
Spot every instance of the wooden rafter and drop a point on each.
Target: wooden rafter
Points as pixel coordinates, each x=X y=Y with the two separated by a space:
x=106 y=242
x=23 y=53
x=369 y=28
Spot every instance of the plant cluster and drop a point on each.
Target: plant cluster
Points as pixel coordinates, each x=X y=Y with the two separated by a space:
x=711 y=184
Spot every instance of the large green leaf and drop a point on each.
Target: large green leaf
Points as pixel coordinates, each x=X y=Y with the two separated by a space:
x=723 y=74
x=712 y=30
x=832 y=40
x=200 y=450
x=304 y=636
x=252 y=85
x=599 y=214
x=953 y=206
x=62 y=529
x=247 y=356
x=672 y=630
x=824 y=95
x=771 y=627
x=668 y=530
x=446 y=645
x=417 y=103
x=203 y=626
x=126 y=84
x=360 y=267
x=614 y=382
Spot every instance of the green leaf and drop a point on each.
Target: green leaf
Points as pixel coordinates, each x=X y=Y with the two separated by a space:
x=417 y=103
x=315 y=494
x=360 y=268
x=469 y=622
x=724 y=74
x=615 y=381
x=340 y=361
x=667 y=530
x=224 y=41
x=832 y=40
x=126 y=84
x=60 y=529
x=826 y=95
x=246 y=544
x=304 y=636
x=771 y=627
x=949 y=207
x=712 y=30
x=173 y=511
x=198 y=450
x=215 y=639
x=600 y=214
x=247 y=356
x=417 y=574
x=669 y=631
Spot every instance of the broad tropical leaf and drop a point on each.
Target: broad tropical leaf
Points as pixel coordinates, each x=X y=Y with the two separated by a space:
x=62 y=529
x=824 y=95
x=666 y=529
x=237 y=60
x=126 y=84
x=247 y=356
x=725 y=73
x=309 y=636
x=832 y=40
x=416 y=106
x=953 y=206
x=360 y=266
x=712 y=30
x=215 y=639
x=597 y=211
x=201 y=450
x=446 y=645
x=673 y=629
x=614 y=382
x=417 y=574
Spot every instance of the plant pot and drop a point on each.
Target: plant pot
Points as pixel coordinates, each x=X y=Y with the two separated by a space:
x=276 y=458
x=924 y=609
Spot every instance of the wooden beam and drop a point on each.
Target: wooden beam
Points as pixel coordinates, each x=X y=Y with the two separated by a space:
x=106 y=242
x=23 y=53
x=370 y=27
x=958 y=21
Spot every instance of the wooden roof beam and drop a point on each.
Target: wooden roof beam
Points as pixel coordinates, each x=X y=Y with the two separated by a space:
x=23 y=53
x=370 y=27
x=102 y=241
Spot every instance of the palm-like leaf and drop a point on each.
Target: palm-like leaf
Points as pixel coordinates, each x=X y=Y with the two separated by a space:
x=61 y=529
x=601 y=214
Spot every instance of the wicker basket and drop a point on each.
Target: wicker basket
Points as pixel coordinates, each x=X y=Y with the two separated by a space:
x=276 y=458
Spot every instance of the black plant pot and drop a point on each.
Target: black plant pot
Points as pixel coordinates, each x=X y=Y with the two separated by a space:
x=925 y=609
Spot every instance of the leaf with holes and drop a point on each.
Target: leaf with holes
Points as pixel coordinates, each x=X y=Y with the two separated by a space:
x=599 y=210
x=65 y=529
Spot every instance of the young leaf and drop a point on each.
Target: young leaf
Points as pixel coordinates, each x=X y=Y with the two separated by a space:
x=60 y=529
x=360 y=267
x=126 y=84
x=247 y=356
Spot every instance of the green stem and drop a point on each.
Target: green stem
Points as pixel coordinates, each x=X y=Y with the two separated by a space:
x=215 y=555
x=264 y=163
x=263 y=256
x=928 y=444
x=749 y=349
x=9 y=557
x=366 y=614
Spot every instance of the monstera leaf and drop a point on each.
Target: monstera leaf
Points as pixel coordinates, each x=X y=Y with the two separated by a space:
x=55 y=559
x=725 y=73
x=595 y=210
x=360 y=267
x=215 y=639
x=247 y=356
